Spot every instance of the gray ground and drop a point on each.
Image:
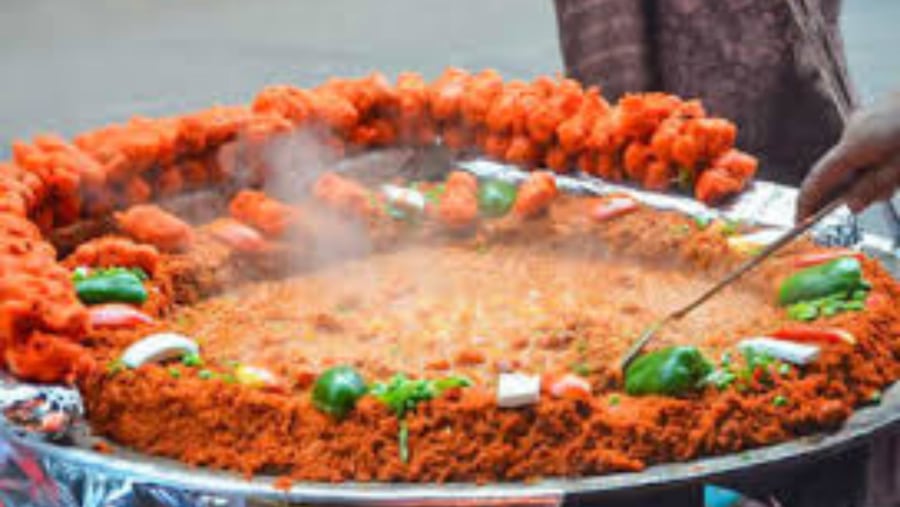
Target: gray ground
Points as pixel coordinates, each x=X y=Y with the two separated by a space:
x=71 y=65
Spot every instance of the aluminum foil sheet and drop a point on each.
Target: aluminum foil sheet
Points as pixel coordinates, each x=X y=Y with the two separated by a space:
x=49 y=459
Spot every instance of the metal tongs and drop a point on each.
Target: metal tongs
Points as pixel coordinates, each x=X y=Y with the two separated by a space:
x=751 y=263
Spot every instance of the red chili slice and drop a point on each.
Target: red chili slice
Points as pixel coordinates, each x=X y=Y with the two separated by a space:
x=116 y=316
x=815 y=258
x=808 y=333
x=569 y=386
x=614 y=207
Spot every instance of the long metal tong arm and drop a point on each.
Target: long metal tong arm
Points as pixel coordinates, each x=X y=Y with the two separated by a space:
x=751 y=263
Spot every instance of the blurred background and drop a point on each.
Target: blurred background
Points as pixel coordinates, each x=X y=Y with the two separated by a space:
x=68 y=66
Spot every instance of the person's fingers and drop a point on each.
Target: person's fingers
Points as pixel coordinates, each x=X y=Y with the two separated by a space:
x=877 y=185
x=834 y=170
x=872 y=136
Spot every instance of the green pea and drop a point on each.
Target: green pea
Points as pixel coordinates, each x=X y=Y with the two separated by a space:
x=496 y=197
x=337 y=390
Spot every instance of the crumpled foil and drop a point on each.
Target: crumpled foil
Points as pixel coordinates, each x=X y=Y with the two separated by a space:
x=39 y=424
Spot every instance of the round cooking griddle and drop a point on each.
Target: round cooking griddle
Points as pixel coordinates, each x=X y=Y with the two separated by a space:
x=94 y=478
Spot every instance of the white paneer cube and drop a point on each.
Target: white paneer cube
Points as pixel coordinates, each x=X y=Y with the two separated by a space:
x=158 y=347
x=404 y=197
x=796 y=353
x=516 y=390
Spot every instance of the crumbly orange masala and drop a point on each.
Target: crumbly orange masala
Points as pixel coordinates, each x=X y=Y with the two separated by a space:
x=420 y=279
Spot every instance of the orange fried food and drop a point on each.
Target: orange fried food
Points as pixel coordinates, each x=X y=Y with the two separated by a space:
x=412 y=97
x=458 y=208
x=640 y=114
x=557 y=159
x=637 y=157
x=113 y=251
x=738 y=164
x=535 y=195
x=523 y=151
x=148 y=223
x=479 y=94
x=496 y=145
x=334 y=110
x=288 y=101
x=457 y=137
x=343 y=195
x=715 y=185
x=264 y=213
x=574 y=131
x=445 y=94
x=658 y=176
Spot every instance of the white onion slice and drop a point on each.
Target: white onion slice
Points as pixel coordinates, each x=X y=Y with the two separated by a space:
x=158 y=347
x=796 y=353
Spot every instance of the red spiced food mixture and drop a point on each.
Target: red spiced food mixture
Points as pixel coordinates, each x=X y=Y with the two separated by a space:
x=324 y=327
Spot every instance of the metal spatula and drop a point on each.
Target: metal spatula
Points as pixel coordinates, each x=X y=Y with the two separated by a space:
x=751 y=263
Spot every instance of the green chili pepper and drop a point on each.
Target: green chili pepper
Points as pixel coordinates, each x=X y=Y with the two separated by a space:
x=337 y=390
x=496 y=197
x=116 y=285
x=670 y=371
x=840 y=276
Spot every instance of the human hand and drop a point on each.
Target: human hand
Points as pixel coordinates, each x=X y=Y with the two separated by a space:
x=867 y=159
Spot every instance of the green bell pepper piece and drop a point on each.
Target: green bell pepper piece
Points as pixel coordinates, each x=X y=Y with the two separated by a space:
x=496 y=197
x=118 y=286
x=669 y=371
x=840 y=276
x=337 y=390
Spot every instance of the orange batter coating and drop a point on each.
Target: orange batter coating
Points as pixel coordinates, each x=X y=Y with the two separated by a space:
x=535 y=195
x=458 y=208
x=148 y=223
x=264 y=213
x=446 y=93
x=344 y=195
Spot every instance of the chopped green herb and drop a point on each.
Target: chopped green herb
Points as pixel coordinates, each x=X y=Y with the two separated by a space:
x=115 y=366
x=403 y=441
x=875 y=397
x=703 y=221
x=784 y=369
x=730 y=227
x=83 y=273
x=614 y=400
x=779 y=401
x=205 y=374
x=854 y=306
x=681 y=229
x=803 y=311
x=685 y=178
x=860 y=295
x=721 y=378
x=433 y=195
x=726 y=360
x=402 y=394
x=581 y=368
x=174 y=372
x=192 y=360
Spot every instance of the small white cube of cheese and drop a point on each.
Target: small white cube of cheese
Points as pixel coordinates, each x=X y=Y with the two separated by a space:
x=796 y=353
x=404 y=197
x=516 y=390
